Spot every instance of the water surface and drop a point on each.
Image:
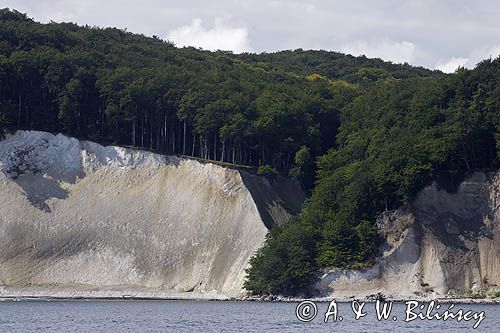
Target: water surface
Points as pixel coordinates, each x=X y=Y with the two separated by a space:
x=205 y=316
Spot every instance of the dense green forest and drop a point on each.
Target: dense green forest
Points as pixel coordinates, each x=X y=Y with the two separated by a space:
x=113 y=86
x=361 y=135
x=394 y=138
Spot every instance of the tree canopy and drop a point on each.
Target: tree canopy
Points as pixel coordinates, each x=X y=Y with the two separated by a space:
x=113 y=86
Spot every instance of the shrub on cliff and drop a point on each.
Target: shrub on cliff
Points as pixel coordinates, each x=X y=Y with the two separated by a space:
x=267 y=171
x=285 y=264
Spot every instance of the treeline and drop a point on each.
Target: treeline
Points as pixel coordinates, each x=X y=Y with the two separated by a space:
x=394 y=139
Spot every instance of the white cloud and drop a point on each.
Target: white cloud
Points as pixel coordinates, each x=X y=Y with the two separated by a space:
x=482 y=53
x=386 y=49
x=451 y=65
x=494 y=52
x=471 y=61
x=293 y=4
x=220 y=37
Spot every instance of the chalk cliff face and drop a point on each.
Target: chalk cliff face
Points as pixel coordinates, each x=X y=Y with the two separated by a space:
x=80 y=219
x=445 y=244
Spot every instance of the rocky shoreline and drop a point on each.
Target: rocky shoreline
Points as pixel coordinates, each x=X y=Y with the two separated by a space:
x=138 y=295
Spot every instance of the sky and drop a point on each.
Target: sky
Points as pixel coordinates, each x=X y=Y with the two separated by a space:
x=439 y=34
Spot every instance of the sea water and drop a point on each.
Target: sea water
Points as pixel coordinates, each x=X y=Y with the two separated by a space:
x=218 y=316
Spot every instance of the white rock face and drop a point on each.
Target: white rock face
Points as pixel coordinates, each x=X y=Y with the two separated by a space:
x=80 y=219
x=445 y=244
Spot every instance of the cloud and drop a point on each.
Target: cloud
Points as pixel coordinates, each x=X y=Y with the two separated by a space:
x=386 y=49
x=470 y=61
x=451 y=65
x=220 y=37
x=293 y=4
x=483 y=53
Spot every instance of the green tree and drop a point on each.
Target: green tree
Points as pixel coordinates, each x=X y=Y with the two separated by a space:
x=303 y=165
x=284 y=265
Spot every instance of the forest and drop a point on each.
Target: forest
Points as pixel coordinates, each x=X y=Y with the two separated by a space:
x=361 y=135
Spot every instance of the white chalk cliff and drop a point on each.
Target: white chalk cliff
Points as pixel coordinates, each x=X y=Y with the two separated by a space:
x=80 y=219
x=445 y=244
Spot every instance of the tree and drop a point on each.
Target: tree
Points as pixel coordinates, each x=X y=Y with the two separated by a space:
x=70 y=107
x=284 y=265
x=303 y=165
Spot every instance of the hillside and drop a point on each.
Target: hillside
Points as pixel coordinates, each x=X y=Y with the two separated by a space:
x=114 y=86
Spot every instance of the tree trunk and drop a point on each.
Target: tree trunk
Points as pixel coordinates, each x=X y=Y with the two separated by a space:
x=150 y=133
x=206 y=148
x=165 y=134
x=19 y=112
x=223 y=150
x=133 y=133
x=215 y=147
x=194 y=140
x=158 y=135
x=142 y=131
x=173 y=140
x=101 y=111
x=184 y=140
x=179 y=137
x=27 y=118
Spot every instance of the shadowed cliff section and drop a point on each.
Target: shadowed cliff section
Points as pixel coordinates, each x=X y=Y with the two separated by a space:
x=276 y=199
x=116 y=221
